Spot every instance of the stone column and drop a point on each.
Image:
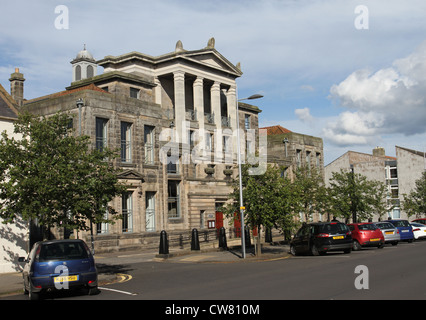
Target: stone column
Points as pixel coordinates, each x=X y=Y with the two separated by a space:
x=231 y=99
x=199 y=109
x=179 y=105
x=215 y=109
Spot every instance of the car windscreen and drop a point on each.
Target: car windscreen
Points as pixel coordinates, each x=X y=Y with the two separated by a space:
x=385 y=225
x=367 y=227
x=401 y=223
x=62 y=251
x=334 y=228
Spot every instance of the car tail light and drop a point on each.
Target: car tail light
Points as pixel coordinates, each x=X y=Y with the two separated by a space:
x=417 y=229
x=323 y=235
x=348 y=233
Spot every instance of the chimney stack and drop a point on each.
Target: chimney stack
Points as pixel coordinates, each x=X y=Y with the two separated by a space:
x=379 y=152
x=17 y=87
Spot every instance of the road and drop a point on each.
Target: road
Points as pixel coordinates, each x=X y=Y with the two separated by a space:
x=390 y=273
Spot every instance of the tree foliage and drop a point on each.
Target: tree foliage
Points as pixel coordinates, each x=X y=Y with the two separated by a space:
x=415 y=202
x=353 y=196
x=53 y=176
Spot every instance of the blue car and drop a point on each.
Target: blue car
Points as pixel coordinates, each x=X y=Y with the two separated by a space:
x=59 y=265
x=404 y=228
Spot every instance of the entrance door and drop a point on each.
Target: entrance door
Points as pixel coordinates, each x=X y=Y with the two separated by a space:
x=150 y=211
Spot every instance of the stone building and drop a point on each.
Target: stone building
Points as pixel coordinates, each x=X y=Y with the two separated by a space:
x=292 y=150
x=174 y=118
x=376 y=166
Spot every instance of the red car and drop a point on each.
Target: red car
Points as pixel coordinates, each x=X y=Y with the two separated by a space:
x=366 y=235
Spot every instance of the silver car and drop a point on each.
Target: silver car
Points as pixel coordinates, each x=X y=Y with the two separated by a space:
x=389 y=231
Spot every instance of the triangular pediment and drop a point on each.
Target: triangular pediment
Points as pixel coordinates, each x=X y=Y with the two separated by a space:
x=213 y=59
x=130 y=175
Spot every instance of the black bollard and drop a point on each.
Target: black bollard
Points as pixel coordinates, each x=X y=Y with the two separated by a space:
x=164 y=243
x=222 y=239
x=247 y=237
x=195 y=242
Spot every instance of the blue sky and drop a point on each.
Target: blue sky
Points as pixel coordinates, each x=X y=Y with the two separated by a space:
x=319 y=74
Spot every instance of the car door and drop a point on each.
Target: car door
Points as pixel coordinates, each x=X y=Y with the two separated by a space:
x=27 y=267
x=297 y=242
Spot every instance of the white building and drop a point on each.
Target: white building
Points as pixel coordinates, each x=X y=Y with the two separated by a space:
x=13 y=236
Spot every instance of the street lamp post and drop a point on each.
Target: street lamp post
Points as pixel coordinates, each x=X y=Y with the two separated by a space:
x=242 y=208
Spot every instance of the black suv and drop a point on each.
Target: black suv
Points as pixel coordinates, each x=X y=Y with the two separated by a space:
x=321 y=237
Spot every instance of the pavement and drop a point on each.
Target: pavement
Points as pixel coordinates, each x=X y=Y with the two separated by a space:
x=112 y=266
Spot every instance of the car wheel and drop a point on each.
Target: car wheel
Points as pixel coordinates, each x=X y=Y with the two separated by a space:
x=381 y=246
x=92 y=291
x=314 y=250
x=33 y=295
x=293 y=250
x=356 y=246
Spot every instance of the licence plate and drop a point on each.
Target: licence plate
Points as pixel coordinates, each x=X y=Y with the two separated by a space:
x=375 y=239
x=389 y=232
x=405 y=230
x=65 y=279
x=338 y=237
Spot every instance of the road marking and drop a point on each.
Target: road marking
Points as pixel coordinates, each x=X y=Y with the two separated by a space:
x=124 y=277
x=118 y=291
x=196 y=258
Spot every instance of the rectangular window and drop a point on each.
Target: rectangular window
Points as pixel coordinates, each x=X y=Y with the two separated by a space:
x=134 y=93
x=298 y=158
x=150 y=211
x=173 y=199
x=101 y=133
x=247 y=121
x=126 y=138
x=149 y=144
x=226 y=144
x=127 y=211
x=209 y=141
x=102 y=228
x=173 y=164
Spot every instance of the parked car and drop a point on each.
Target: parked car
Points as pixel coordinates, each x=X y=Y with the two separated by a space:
x=390 y=232
x=321 y=237
x=59 y=264
x=419 y=230
x=366 y=235
x=422 y=221
x=404 y=228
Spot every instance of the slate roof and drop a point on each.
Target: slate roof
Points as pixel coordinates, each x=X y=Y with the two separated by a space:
x=8 y=106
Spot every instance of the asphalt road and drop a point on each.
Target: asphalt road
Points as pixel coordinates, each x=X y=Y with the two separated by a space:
x=389 y=273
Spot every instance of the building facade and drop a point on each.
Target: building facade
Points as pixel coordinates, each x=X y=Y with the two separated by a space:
x=174 y=118
x=291 y=150
x=397 y=173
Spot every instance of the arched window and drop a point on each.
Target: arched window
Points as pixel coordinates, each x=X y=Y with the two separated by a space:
x=77 y=73
x=89 y=71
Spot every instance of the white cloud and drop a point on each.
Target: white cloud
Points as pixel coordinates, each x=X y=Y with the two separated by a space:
x=389 y=101
x=304 y=115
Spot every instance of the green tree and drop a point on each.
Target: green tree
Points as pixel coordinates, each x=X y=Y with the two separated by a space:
x=55 y=177
x=415 y=202
x=310 y=189
x=353 y=196
x=267 y=199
